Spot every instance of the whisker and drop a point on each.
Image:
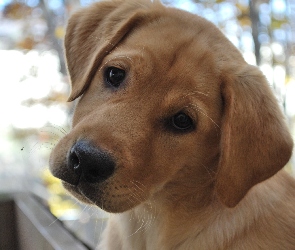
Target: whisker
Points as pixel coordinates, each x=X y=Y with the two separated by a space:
x=59 y=128
x=38 y=146
x=147 y=216
x=137 y=230
x=202 y=112
x=194 y=93
x=53 y=222
x=129 y=58
x=57 y=137
x=208 y=171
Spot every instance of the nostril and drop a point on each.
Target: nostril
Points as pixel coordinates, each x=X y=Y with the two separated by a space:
x=74 y=162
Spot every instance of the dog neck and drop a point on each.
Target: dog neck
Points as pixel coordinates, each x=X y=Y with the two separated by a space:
x=167 y=218
x=180 y=223
x=152 y=225
x=180 y=209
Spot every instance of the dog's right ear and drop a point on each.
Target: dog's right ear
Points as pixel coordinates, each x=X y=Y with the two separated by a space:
x=93 y=32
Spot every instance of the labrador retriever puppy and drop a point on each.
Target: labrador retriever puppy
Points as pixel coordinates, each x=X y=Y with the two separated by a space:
x=174 y=133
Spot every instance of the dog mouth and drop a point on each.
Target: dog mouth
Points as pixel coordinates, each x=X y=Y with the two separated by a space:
x=108 y=196
x=85 y=193
x=85 y=170
x=93 y=176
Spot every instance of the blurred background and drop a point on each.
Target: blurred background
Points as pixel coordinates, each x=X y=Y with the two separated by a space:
x=34 y=83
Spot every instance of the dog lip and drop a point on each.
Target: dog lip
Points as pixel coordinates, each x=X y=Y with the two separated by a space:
x=76 y=191
x=83 y=192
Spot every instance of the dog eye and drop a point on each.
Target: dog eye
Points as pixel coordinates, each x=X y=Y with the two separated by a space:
x=114 y=76
x=182 y=121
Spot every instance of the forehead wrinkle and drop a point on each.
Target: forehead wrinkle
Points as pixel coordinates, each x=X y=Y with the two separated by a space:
x=129 y=53
x=178 y=50
x=175 y=100
x=193 y=98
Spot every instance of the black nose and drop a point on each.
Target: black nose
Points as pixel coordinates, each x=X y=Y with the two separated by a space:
x=90 y=162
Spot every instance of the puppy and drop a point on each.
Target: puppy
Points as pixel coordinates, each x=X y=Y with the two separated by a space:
x=174 y=133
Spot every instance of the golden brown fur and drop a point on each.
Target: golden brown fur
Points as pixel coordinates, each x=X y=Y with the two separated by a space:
x=218 y=186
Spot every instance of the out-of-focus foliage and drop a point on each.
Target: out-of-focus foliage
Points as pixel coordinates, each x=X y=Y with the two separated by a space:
x=17 y=10
x=58 y=201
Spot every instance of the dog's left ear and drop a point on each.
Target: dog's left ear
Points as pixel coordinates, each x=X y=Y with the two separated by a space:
x=93 y=32
x=255 y=142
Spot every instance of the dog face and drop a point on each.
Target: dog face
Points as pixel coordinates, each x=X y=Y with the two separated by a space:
x=166 y=103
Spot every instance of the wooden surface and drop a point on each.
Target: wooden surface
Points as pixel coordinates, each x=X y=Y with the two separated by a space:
x=28 y=225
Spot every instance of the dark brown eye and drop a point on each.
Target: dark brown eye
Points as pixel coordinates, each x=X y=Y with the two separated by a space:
x=182 y=121
x=114 y=76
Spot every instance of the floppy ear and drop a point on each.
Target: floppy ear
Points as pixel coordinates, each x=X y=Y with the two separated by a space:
x=255 y=142
x=92 y=33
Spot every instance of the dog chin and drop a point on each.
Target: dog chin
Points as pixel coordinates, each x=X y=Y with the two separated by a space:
x=89 y=197
x=74 y=191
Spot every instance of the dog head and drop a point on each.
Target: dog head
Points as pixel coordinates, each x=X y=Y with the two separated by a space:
x=166 y=102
